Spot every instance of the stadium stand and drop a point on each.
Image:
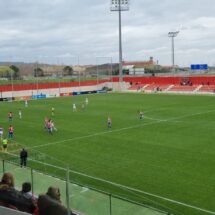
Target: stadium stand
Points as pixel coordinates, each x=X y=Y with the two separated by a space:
x=136 y=86
x=156 y=87
x=187 y=88
x=207 y=88
x=189 y=84
x=197 y=84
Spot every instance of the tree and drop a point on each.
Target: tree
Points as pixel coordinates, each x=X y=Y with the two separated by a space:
x=6 y=72
x=15 y=71
x=68 y=70
x=38 y=72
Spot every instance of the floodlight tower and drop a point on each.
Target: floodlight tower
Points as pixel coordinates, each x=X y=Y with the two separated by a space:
x=173 y=34
x=120 y=5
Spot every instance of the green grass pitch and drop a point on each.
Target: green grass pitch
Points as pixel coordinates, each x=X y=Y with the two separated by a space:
x=170 y=153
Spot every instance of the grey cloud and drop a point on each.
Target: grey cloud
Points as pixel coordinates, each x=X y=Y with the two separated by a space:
x=89 y=29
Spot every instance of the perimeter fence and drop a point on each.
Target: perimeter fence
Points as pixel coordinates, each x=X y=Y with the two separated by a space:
x=84 y=199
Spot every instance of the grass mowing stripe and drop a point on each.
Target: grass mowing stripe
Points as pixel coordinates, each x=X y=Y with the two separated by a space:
x=135 y=190
x=170 y=159
x=121 y=129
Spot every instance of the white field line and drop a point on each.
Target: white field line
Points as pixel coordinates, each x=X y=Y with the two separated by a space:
x=154 y=119
x=169 y=200
x=96 y=134
x=147 y=193
x=121 y=129
x=130 y=188
x=84 y=189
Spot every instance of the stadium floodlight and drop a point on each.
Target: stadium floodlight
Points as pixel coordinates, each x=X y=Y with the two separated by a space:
x=116 y=5
x=120 y=5
x=173 y=34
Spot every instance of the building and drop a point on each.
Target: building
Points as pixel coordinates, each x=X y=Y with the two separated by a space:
x=137 y=67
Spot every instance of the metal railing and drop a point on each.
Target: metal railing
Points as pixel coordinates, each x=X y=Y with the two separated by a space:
x=85 y=199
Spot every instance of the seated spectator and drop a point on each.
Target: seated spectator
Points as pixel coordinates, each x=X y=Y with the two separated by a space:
x=10 y=197
x=26 y=189
x=50 y=203
x=54 y=193
x=7 y=181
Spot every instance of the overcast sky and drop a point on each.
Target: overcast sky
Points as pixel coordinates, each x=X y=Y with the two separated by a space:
x=86 y=32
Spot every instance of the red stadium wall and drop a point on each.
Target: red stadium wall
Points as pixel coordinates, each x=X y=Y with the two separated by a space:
x=139 y=80
x=20 y=87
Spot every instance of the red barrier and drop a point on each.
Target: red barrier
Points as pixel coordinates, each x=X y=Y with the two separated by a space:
x=19 y=87
x=204 y=80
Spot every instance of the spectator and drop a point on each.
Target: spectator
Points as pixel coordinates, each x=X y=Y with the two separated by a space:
x=26 y=190
x=6 y=187
x=54 y=193
x=50 y=203
x=7 y=181
x=10 y=197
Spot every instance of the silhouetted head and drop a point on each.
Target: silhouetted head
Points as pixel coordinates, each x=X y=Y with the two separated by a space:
x=26 y=187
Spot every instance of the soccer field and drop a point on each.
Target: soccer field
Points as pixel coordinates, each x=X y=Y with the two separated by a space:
x=166 y=159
